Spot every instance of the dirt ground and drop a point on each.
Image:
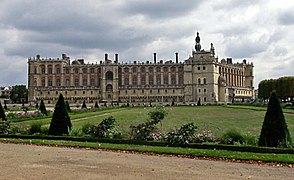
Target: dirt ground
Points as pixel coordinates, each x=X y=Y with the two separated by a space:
x=41 y=162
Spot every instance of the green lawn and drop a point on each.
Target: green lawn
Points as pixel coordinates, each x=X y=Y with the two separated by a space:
x=218 y=119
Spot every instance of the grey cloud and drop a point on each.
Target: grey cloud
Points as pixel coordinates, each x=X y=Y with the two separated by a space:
x=155 y=9
x=286 y=18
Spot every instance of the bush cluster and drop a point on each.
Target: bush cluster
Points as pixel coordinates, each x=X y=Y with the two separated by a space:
x=183 y=135
x=105 y=129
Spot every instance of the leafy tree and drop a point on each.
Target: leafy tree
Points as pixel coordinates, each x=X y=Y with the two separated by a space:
x=60 y=123
x=67 y=106
x=42 y=108
x=19 y=94
x=2 y=113
x=96 y=105
x=4 y=124
x=274 y=130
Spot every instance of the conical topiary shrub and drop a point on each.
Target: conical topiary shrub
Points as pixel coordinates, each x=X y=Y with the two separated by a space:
x=60 y=123
x=67 y=106
x=84 y=106
x=274 y=130
x=4 y=124
x=42 y=108
x=2 y=113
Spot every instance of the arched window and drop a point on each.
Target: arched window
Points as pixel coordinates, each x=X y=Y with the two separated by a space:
x=134 y=80
x=173 y=79
x=150 y=69
x=158 y=69
x=43 y=82
x=43 y=69
x=142 y=69
x=109 y=88
x=126 y=69
x=158 y=79
x=92 y=70
x=165 y=79
x=67 y=82
x=151 y=80
x=57 y=82
x=204 y=81
x=134 y=69
x=84 y=70
x=165 y=69
x=92 y=82
x=199 y=81
x=109 y=75
x=49 y=69
x=76 y=70
x=35 y=70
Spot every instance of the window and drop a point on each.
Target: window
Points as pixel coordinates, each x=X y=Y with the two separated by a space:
x=150 y=69
x=143 y=79
x=84 y=92
x=67 y=71
x=198 y=68
x=109 y=75
x=67 y=82
x=84 y=70
x=165 y=69
x=49 y=82
x=109 y=88
x=48 y=92
x=142 y=69
x=43 y=82
x=158 y=79
x=35 y=70
x=76 y=82
x=199 y=81
x=204 y=81
x=91 y=92
x=92 y=82
x=150 y=91
x=151 y=80
x=57 y=82
x=173 y=79
x=142 y=90
x=49 y=70
x=199 y=90
x=204 y=99
x=126 y=70
x=204 y=67
x=56 y=92
x=57 y=70
x=204 y=90
x=134 y=69
x=76 y=70
x=43 y=69
x=85 y=82
x=165 y=79
x=158 y=69
x=134 y=80
x=92 y=70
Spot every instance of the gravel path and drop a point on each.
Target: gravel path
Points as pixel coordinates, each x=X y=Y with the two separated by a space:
x=41 y=162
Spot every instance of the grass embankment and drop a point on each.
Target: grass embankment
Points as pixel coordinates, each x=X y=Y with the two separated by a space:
x=265 y=157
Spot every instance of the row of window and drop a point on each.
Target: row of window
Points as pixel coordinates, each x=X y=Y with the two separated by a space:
x=66 y=70
x=143 y=69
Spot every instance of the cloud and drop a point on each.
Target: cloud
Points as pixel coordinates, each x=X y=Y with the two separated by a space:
x=286 y=17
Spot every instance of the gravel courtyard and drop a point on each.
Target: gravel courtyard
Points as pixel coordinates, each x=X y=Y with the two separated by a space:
x=40 y=162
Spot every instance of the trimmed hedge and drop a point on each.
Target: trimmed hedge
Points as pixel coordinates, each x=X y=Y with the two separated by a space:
x=254 y=149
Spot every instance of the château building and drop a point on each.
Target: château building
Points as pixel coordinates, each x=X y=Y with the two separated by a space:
x=201 y=77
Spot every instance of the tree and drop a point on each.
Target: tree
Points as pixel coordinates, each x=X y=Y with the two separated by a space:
x=60 y=123
x=42 y=108
x=4 y=124
x=19 y=94
x=67 y=106
x=274 y=130
x=84 y=106
x=96 y=105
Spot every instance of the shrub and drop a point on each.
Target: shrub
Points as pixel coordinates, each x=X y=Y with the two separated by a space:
x=35 y=128
x=42 y=108
x=75 y=132
x=231 y=137
x=182 y=135
x=106 y=129
x=274 y=130
x=96 y=105
x=67 y=106
x=250 y=139
x=60 y=123
x=147 y=130
x=84 y=106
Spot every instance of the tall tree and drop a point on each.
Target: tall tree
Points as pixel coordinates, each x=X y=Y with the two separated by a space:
x=19 y=94
x=4 y=124
x=274 y=130
x=84 y=106
x=60 y=123
x=42 y=108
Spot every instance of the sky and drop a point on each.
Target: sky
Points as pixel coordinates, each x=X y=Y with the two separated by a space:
x=260 y=31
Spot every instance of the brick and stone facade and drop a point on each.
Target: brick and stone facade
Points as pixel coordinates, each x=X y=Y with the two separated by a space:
x=202 y=77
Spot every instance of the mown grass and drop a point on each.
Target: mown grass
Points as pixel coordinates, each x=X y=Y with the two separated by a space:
x=218 y=119
x=266 y=157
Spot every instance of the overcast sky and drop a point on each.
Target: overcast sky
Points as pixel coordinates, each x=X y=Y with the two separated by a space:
x=261 y=31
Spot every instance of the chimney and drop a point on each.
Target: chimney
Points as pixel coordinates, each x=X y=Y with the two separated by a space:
x=154 y=58
x=177 y=57
x=38 y=56
x=106 y=56
x=244 y=61
x=116 y=58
